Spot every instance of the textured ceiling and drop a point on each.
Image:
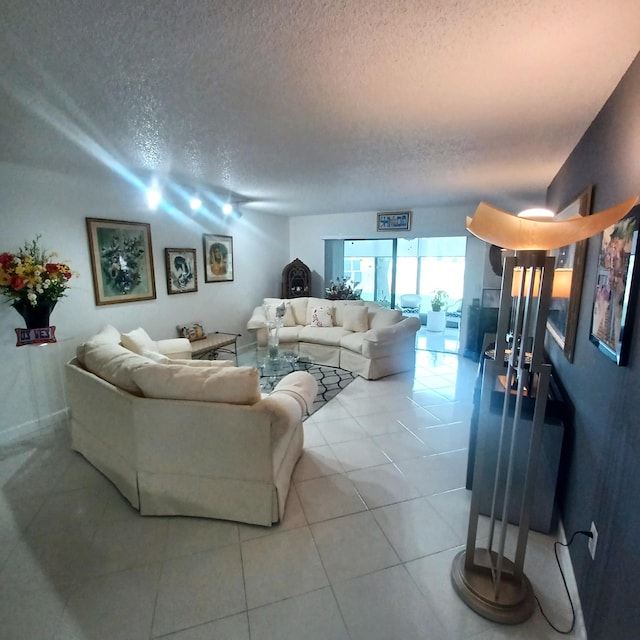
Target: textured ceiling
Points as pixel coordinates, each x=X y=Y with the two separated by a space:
x=313 y=106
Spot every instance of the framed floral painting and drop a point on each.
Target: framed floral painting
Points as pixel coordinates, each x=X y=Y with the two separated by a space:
x=218 y=258
x=121 y=261
x=182 y=276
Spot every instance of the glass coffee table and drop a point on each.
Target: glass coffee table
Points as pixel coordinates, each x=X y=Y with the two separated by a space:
x=273 y=367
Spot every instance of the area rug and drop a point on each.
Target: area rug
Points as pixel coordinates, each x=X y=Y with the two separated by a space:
x=331 y=382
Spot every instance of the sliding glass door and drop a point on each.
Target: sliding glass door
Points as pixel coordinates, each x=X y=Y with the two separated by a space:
x=387 y=269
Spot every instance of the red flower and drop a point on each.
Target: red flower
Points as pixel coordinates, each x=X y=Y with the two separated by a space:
x=17 y=283
x=51 y=267
x=6 y=259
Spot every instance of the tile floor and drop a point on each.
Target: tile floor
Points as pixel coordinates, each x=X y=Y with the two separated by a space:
x=375 y=515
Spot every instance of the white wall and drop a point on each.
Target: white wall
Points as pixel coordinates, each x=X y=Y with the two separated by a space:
x=55 y=206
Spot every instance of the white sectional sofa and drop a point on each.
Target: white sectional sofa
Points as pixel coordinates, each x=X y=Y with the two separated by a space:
x=186 y=437
x=356 y=335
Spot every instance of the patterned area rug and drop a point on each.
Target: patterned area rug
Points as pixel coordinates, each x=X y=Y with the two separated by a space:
x=331 y=382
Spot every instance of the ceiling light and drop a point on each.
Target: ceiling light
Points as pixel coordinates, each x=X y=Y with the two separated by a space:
x=195 y=203
x=154 y=197
x=227 y=208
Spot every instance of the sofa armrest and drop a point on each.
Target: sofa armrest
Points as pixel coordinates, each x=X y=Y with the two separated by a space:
x=391 y=340
x=398 y=331
x=258 y=319
x=175 y=348
x=301 y=386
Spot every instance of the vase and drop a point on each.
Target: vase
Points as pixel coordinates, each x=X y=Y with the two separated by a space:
x=35 y=317
x=273 y=339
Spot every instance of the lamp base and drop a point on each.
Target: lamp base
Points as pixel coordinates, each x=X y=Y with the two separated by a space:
x=476 y=589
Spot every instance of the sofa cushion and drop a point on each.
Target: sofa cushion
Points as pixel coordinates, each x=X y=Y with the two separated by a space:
x=114 y=363
x=160 y=358
x=355 y=318
x=233 y=385
x=322 y=316
x=340 y=306
x=288 y=320
x=138 y=341
x=192 y=331
x=299 y=307
x=322 y=335
x=382 y=317
x=352 y=342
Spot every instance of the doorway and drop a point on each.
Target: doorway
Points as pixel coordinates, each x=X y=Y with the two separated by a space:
x=385 y=270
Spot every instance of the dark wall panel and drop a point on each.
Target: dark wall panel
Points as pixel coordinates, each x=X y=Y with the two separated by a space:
x=601 y=477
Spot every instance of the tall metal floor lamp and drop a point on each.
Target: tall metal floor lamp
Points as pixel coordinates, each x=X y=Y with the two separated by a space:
x=492 y=584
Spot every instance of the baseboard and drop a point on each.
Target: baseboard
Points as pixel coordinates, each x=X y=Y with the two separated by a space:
x=46 y=423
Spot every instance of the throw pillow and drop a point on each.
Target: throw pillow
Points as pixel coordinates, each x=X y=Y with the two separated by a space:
x=322 y=317
x=355 y=319
x=138 y=341
x=192 y=331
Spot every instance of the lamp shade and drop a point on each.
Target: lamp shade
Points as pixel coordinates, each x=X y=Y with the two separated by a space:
x=511 y=232
x=561 y=282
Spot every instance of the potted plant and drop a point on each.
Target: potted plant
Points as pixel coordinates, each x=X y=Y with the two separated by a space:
x=342 y=289
x=437 y=319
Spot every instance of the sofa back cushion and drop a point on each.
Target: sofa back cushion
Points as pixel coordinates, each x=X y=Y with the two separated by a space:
x=233 y=385
x=339 y=309
x=355 y=318
x=381 y=316
x=289 y=319
x=113 y=363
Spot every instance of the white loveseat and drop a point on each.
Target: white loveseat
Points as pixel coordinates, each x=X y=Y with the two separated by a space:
x=356 y=335
x=186 y=437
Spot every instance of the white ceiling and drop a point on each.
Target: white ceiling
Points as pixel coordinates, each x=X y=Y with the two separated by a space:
x=314 y=106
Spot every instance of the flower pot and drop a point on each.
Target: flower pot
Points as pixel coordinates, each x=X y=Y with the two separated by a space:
x=35 y=317
x=436 y=320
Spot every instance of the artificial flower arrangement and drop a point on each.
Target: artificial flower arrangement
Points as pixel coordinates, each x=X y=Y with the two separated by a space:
x=30 y=276
x=341 y=289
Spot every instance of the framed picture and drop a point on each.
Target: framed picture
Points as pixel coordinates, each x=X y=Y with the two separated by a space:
x=562 y=321
x=121 y=261
x=182 y=276
x=394 y=221
x=615 y=288
x=218 y=258
x=491 y=298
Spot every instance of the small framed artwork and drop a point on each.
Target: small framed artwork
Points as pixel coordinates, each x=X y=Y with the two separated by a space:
x=394 y=221
x=491 y=298
x=182 y=276
x=616 y=288
x=562 y=321
x=121 y=261
x=218 y=258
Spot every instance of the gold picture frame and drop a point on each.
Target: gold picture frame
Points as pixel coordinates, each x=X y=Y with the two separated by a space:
x=562 y=321
x=218 y=258
x=121 y=261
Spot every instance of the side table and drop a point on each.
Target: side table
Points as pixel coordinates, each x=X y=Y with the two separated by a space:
x=208 y=348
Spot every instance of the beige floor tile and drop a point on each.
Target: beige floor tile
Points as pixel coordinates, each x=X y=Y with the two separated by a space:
x=329 y=497
x=312 y=616
x=352 y=546
x=281 y=566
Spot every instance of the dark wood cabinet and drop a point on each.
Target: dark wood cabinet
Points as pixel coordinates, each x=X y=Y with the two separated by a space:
x=296 y=280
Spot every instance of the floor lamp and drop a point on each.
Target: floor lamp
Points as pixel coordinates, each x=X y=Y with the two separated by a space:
x=492 y=584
